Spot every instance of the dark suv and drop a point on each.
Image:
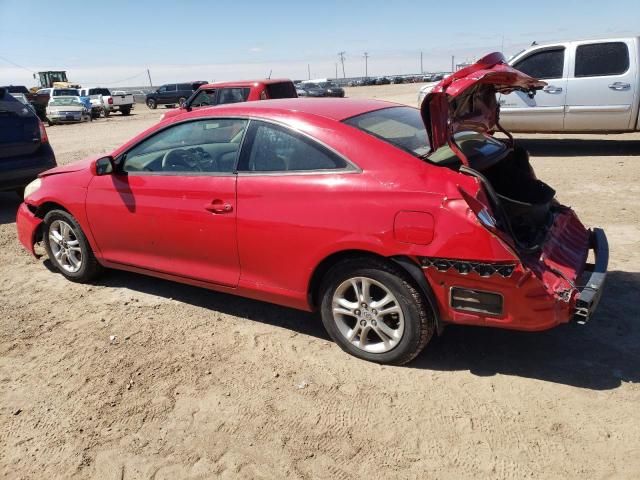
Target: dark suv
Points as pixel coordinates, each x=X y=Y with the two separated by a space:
x=24 y=146
x=172 y=94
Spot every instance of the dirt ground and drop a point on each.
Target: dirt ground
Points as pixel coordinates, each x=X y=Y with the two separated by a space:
x=203 y=385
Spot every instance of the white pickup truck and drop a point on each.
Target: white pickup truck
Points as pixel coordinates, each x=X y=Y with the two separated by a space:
x=122 y=103
x=593 y=86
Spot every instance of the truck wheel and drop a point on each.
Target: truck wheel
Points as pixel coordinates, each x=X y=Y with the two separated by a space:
x=373 y=310
x=181 y=101
x=106 y=112
x=152 y=104
x=125 y=111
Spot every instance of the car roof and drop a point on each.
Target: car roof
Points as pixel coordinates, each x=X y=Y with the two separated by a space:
x=246 y=83
x=333 y=108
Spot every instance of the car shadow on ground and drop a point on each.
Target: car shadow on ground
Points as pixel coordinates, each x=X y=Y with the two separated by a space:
x=599 y=356
x=569 y=147
x=9 y=203
x=295 y=320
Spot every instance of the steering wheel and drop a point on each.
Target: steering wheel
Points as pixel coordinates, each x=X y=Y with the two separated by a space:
x=177 y=161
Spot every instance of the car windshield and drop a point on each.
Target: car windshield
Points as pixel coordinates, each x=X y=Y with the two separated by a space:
x=328 y=85
x=99 y=91
x=310 y=85
x=65 y=102
x=400 y=126
x=61 y=92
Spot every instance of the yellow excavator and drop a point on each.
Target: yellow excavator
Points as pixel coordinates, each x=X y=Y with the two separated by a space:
x=54 y=79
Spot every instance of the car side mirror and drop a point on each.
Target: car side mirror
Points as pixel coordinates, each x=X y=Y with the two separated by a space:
x=103 y=166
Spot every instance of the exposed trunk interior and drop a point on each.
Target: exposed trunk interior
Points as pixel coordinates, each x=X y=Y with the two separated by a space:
x=523 y=204
x=525 y=201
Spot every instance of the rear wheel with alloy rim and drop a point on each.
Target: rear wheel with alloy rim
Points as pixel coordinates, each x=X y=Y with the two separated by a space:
x=372 y=309
x=152 y=104
x=68 y=248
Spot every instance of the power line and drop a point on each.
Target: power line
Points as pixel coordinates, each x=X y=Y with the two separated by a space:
x=16 y=65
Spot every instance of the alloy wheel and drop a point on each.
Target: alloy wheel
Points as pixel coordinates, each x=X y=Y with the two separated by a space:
x=65 y=246
x=368 y=315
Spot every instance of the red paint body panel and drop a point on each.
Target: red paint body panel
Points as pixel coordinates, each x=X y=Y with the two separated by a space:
x=27 y=224
x=282 y=226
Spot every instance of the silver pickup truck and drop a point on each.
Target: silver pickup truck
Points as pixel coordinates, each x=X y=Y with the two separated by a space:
x=593 y=86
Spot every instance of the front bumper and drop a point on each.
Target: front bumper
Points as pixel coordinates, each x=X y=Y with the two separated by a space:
x=594 y=277
x=27 y=224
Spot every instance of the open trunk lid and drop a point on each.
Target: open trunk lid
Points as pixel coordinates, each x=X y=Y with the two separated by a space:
x=466 y=100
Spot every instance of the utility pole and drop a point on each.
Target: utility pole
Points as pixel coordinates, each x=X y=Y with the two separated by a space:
x=366 y=65
x=149 y=75
x=309 y=71
x=452 y=63
x=341 y=57
x=336 y=77
x=421 y=69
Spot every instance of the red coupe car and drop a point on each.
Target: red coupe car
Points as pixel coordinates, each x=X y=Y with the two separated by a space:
x=389 y=220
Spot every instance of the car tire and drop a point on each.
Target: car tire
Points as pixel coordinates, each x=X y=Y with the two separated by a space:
x=107 y=112
x=181 y=101
x=125 y=111
x=68 y=248
x=152 y=104
x=395 y=334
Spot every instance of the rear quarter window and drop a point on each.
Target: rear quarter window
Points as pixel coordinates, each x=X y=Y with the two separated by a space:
x=598 y=59
x=281 y=90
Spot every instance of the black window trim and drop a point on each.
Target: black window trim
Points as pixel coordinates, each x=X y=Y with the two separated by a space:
x=575 y=60
x=565 y=74
x=350 y=167
x=120 y=159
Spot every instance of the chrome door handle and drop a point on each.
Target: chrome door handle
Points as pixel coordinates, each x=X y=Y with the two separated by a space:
x=552 y=89
x=619 y=86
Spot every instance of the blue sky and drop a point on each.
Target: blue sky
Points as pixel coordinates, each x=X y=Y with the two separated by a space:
x=113 y=42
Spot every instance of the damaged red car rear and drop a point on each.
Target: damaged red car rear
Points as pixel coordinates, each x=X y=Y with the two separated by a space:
x=550 y=281
x=391 y=221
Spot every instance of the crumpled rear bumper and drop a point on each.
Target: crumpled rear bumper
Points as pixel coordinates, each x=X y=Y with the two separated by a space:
x=588 y=297
x=27 y=224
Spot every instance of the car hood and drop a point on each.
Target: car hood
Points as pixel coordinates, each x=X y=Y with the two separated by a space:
x=466 y=100
x=71 y=167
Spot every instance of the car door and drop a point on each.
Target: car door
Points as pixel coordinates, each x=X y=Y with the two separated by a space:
x=545 y=111
x=602 y=86
x=287 y=206
x=170 y=204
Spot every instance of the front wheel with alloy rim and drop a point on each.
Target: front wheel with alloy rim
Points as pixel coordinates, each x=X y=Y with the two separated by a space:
x=68 y=248
x=373 y=310
x=152 y=104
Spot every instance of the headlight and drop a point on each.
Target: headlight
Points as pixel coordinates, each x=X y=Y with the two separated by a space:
x=32 y=187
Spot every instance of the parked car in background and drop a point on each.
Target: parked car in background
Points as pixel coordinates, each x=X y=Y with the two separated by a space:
x=121 y=102
x=139 y=96
x=593 y=86
x=221 y=93
x=397 y=80
x=17 y=89
x=332 y=89
x=24 y=147
x=67 y=109
x=390 y=221
x=172 y=94
x=382 y=81
x=309 y=89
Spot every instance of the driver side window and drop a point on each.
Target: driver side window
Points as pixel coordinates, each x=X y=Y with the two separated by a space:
x=199 y=147
x=204 y=98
